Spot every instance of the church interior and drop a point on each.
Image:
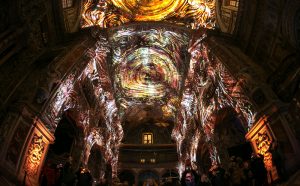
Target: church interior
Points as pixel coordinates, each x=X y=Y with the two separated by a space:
x=139 y=92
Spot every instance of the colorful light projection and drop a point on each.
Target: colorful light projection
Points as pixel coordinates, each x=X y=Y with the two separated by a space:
x=190 y=13
x=63 y=99
x=148 y=67
x=163 y=68
x=145 y=10
x=208 y=87
x=150 y=74
x=97 y=72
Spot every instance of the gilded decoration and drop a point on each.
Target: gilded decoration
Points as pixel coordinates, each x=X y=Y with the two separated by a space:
x=263 y=143
x=190 y=13
x=34 y=155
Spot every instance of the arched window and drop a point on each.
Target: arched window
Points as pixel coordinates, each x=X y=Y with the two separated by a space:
x=234 y=3
x=147 y=138
x=67 y=3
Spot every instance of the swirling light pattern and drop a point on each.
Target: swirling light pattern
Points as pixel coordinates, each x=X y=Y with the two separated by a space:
x=97 y=72
x=190 y=13
x=148 y=66
x=145 y=10
x=208 y=88
x=148 y=73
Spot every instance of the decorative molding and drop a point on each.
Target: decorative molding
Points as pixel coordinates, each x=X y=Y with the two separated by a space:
x=34 y=155
x=261 y=138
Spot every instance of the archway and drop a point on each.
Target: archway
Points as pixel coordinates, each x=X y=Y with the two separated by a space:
x=229 y=136
x=127 y=176
x=96 y=163
x=148 y=176
x=66 y=148
x=203 y=157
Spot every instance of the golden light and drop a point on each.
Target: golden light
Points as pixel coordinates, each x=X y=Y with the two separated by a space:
x=142 y=160
x=261 y=138
x=149 y=10
x=152 y=160
x=149 y=74
x=34 y=155
x=110 y=13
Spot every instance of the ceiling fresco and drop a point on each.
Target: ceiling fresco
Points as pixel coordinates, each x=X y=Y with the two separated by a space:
x=148 y=66
x=193 y=14
x=151 y=65
x=156 y=74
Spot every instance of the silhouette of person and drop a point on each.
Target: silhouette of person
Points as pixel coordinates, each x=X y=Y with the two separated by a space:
x=278 y=160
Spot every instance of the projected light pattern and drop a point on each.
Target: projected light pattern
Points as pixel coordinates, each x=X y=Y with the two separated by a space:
x=148 y=67
x=169 y=74
x=64 y=98
x=208 y=88
x=97 y=71
x=151 y=74
x=154 y=10
x=191 y=13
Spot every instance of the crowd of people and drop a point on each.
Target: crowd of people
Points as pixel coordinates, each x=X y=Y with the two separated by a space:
x=240 y=173
x=64 y=175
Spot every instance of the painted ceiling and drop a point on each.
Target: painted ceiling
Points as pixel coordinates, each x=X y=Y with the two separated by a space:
x=193 y=14
x=148 y=66
x=151 y=64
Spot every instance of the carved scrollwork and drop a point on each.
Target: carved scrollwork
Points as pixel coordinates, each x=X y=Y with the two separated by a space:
x=34 y=155
x=263 y=143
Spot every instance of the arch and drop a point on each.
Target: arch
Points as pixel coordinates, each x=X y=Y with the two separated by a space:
x=127 y=176
x=290 y=23
x=203 y=157
x=145 y=175
x=229 y=135
x=96 y=163
x=285 y=79
x=227 y=23
x=68 y=142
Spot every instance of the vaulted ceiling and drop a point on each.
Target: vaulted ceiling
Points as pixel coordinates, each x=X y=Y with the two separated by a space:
x=190 y=13
x=151 y=62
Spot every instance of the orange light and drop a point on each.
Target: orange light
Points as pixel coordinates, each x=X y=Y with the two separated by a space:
x=116 y=12
x=145 y=10
x=35 y=153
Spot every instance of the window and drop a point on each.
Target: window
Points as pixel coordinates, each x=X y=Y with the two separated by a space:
x=234 y=3
x=147 y=138
x=67 y=3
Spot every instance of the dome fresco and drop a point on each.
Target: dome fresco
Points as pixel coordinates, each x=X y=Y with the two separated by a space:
x=193 y=14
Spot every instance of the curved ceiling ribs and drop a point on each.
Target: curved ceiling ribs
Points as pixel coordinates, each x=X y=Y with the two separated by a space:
x=164 y=74
x=93 y=76
x=166 y=69
x=110 y=137
x=148 y=66
x=208 y=88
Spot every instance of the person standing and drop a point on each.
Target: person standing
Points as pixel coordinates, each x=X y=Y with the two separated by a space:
x=278 y=160
x=259 y=170
x=189 y=178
